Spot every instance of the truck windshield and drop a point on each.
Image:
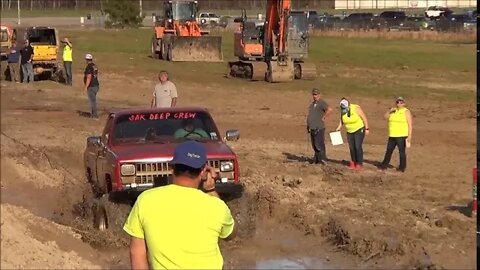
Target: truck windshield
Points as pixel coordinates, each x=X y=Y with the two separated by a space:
x=164 y=127
x=183 y=11
x=42 y=37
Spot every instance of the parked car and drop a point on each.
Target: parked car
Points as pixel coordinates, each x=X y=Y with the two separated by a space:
x=358 y=21
x=312 y=17
x=416 y=23
x=328 y=23
x=455 y=23
x=437 y=11
x=208 y=18
x=389 y=20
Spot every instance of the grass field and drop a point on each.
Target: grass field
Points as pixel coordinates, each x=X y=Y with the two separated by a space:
x=382 y=68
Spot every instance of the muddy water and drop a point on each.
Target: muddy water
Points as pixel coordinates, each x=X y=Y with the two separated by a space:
x=298 y=263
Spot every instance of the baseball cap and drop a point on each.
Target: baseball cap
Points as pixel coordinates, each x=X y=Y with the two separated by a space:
x=400 y=98
x=315 y=91
x=88 y=56
x=344 y=103
x=190 y=153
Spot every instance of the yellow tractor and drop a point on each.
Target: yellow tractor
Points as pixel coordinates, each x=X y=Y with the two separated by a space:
x=45 y=43
x=5 y=43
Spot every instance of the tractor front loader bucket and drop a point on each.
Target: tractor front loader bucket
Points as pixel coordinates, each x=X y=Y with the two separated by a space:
x=196 y=49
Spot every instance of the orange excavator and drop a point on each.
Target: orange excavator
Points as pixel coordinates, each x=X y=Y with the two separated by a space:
x=276 y=51
x=178 y=36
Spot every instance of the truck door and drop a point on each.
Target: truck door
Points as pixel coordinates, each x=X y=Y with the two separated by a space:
x=101 y=167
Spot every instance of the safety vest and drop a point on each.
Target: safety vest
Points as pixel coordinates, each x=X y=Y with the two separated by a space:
x=67 y=54
x=397 y=123
x=354 y=122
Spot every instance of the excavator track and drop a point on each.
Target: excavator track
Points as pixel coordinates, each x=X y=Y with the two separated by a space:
x=250 y=70
x=305 y=71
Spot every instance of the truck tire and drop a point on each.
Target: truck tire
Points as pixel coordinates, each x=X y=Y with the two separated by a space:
x=109 y=215
x=169 y=52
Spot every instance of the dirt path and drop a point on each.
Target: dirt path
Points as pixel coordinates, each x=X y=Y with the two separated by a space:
x=295 y=209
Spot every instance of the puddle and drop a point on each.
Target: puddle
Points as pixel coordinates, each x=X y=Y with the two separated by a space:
x=300 y=263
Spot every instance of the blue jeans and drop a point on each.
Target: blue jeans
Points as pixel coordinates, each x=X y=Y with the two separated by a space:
x=27 y=70
x=92 y=97
x=68 y=72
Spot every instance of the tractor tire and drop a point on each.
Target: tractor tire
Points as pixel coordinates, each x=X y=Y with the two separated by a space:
x=153 y=49
x=164 y=52
x=169 y=53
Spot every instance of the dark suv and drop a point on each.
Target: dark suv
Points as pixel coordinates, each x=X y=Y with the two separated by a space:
x=357 y=21
x=389 y=19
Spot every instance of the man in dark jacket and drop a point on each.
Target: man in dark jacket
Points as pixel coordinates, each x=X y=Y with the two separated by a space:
x=317 y=112
x=26 y=61
x=14 y=63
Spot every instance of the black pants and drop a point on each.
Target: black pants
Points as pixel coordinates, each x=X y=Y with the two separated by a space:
x=317 y=137
x=401 y=143
x=355 y=142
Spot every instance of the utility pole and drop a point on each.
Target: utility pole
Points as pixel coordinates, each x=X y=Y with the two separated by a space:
x=140 y=4
x=18 y=11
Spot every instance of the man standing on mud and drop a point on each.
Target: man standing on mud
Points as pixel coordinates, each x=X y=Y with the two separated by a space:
x=26 y=61
x=92 y=86
x=14 y=63
x=165 y=92
x=67 y=61
x=317 y=113
x=177 y=226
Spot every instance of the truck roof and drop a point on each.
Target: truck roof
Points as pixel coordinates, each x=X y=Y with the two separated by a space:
x=120 y=112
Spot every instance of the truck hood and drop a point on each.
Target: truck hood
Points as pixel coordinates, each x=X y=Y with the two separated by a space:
x=131 y=152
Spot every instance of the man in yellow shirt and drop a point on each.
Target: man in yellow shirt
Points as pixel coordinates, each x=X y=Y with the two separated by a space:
x=177 y=226
x=67 y=61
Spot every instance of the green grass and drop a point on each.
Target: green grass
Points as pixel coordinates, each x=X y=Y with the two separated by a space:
x=118 y=51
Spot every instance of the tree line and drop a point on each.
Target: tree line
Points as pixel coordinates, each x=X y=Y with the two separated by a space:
x=157 y=4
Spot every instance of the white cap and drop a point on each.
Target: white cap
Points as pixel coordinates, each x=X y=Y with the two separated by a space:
x=88 y=56
x=344 y=103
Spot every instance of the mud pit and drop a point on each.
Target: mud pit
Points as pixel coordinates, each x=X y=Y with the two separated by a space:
x=293 y=214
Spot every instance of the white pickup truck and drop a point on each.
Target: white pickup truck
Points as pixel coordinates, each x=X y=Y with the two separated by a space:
x=208 y=18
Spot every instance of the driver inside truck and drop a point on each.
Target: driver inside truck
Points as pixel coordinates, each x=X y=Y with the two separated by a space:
x=188 y=130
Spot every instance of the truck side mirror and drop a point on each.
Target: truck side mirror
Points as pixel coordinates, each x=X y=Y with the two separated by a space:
x=94 y=140
x=232 y=135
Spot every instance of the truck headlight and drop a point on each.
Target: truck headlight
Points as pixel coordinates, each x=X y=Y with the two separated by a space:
x=226 y=166
x=127 y=169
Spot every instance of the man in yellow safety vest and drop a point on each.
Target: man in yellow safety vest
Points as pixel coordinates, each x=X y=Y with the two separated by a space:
x=67 y=61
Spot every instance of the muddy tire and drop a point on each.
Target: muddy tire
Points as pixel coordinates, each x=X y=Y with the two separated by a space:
x=153 y=50
x=169 y=52
x=164 y=51
x=108 y=215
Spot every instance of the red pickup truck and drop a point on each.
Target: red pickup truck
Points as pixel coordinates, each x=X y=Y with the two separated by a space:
x=136 y=145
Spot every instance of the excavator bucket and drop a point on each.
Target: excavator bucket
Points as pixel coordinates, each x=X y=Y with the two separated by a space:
x=196 y=49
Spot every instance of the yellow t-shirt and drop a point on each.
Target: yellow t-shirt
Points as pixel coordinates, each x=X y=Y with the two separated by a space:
x=181 y=227
x=67 y=53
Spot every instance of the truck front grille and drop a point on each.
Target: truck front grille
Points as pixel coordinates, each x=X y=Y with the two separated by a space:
x=160 y=173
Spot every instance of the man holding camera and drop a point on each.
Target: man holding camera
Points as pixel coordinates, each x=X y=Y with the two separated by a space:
x=317 y=113
x=178 y=225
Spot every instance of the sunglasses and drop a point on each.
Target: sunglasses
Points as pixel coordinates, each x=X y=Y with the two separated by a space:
x=400 y=101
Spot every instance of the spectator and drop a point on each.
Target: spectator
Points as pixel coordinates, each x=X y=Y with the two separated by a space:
x=178 y=225
x=14 y=62
x=165 y=92
x=26 y=60
x=67 y=61
x=356 y=124
x=399 y=134
x=91 y=83
x=317 y=113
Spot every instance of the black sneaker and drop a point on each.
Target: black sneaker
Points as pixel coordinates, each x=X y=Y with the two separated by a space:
x=322 y=162
x=401 y=170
